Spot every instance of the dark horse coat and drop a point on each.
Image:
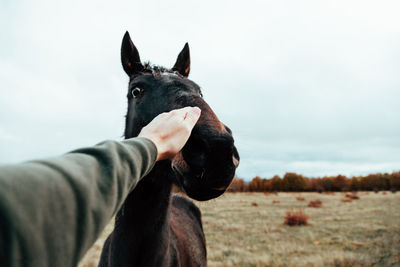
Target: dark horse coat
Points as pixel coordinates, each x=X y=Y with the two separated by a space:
x=154 y=228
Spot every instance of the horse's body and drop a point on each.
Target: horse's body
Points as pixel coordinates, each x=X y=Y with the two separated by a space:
x=153 y=227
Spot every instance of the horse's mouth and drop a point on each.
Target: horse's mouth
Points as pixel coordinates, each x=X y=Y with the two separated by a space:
x=201 y=196
x=197 y=191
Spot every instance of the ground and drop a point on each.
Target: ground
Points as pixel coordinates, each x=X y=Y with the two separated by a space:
x=246 y=229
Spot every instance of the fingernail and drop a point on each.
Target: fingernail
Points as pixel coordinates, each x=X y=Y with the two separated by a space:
x=196 y=110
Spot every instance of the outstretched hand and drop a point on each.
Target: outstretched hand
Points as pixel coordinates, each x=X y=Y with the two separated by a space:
x=170 y=131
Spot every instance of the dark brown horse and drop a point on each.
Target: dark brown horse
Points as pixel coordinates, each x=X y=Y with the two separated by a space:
x=154 y=228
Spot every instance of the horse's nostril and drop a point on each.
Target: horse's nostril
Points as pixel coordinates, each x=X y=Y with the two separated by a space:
x=236 y=153
x=235 y=161
x=195 y=152
x=228 y=129
x=200 y=175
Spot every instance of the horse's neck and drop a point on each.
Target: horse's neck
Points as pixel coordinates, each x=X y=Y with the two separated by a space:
x=147 y=205
x=143 y=219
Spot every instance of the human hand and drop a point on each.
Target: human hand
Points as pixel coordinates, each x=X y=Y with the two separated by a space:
x=170 y=131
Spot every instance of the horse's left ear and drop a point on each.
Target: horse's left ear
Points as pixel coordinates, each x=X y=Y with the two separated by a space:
x=130 y=58
x=182 y=64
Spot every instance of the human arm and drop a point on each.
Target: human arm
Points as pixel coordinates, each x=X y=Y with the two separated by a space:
x=51 y=211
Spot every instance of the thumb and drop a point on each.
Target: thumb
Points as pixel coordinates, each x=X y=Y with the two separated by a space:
x=192 y=116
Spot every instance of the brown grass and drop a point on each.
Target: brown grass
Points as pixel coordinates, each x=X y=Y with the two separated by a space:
x=299 y=198
x=315 y=203
x=294 y=218
x=254 y=204
x=345 y=200
x=361 y=233
x=275 y=201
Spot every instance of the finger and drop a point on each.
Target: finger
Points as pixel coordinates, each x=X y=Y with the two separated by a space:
x=192 y=116
x=180 y=113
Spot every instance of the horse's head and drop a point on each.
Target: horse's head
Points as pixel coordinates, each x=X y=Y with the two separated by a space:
x=206 y=165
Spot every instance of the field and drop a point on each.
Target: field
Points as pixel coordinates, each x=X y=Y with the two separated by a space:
x=246 y=229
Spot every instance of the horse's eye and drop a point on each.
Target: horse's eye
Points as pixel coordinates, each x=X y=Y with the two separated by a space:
x=136 y=92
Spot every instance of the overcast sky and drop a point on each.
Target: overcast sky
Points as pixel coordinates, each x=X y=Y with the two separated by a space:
x=307 y=86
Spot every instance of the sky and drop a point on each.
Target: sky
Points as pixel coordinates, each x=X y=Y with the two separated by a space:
x=311 y=87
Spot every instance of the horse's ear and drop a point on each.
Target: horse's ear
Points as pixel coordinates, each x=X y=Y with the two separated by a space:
x=182 y=64
x=130 y=56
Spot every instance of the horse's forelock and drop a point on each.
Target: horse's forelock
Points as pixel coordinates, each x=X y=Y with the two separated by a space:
x=156 y=70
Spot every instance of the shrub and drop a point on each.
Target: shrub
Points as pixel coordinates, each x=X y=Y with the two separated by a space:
x=275 y=201
x=393 y=190
x=346 y=200
x=254 y=204
x=352 y=196
x=294 y=218
x=300 y=198
x=315 y=203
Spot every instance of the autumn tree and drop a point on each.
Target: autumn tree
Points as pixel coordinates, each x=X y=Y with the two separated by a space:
x=340 y=183
x=327 y=183
x=237 y=185
x=293 y=182
x=276 y=183
x=395 y=181
x=256 y=185
x=354 y=184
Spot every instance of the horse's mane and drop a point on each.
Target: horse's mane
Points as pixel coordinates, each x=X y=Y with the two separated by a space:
x=156 y=70
x=152 y=68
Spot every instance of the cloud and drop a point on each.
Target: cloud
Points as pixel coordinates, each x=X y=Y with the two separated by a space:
x=315 y=158
x=310 y=87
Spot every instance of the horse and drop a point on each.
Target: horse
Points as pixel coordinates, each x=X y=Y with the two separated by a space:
x=155 y=227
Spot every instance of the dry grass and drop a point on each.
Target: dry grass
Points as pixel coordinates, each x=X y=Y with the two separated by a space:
x=275 y=202
x=300 y=198
x=361 y=233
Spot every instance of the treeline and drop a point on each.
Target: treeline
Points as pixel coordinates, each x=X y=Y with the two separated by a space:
x=293 y=182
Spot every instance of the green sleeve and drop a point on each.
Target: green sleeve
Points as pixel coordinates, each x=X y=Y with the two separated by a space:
x=52 y=211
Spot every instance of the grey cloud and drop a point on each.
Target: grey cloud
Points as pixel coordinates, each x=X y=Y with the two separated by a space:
x=310 y=87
